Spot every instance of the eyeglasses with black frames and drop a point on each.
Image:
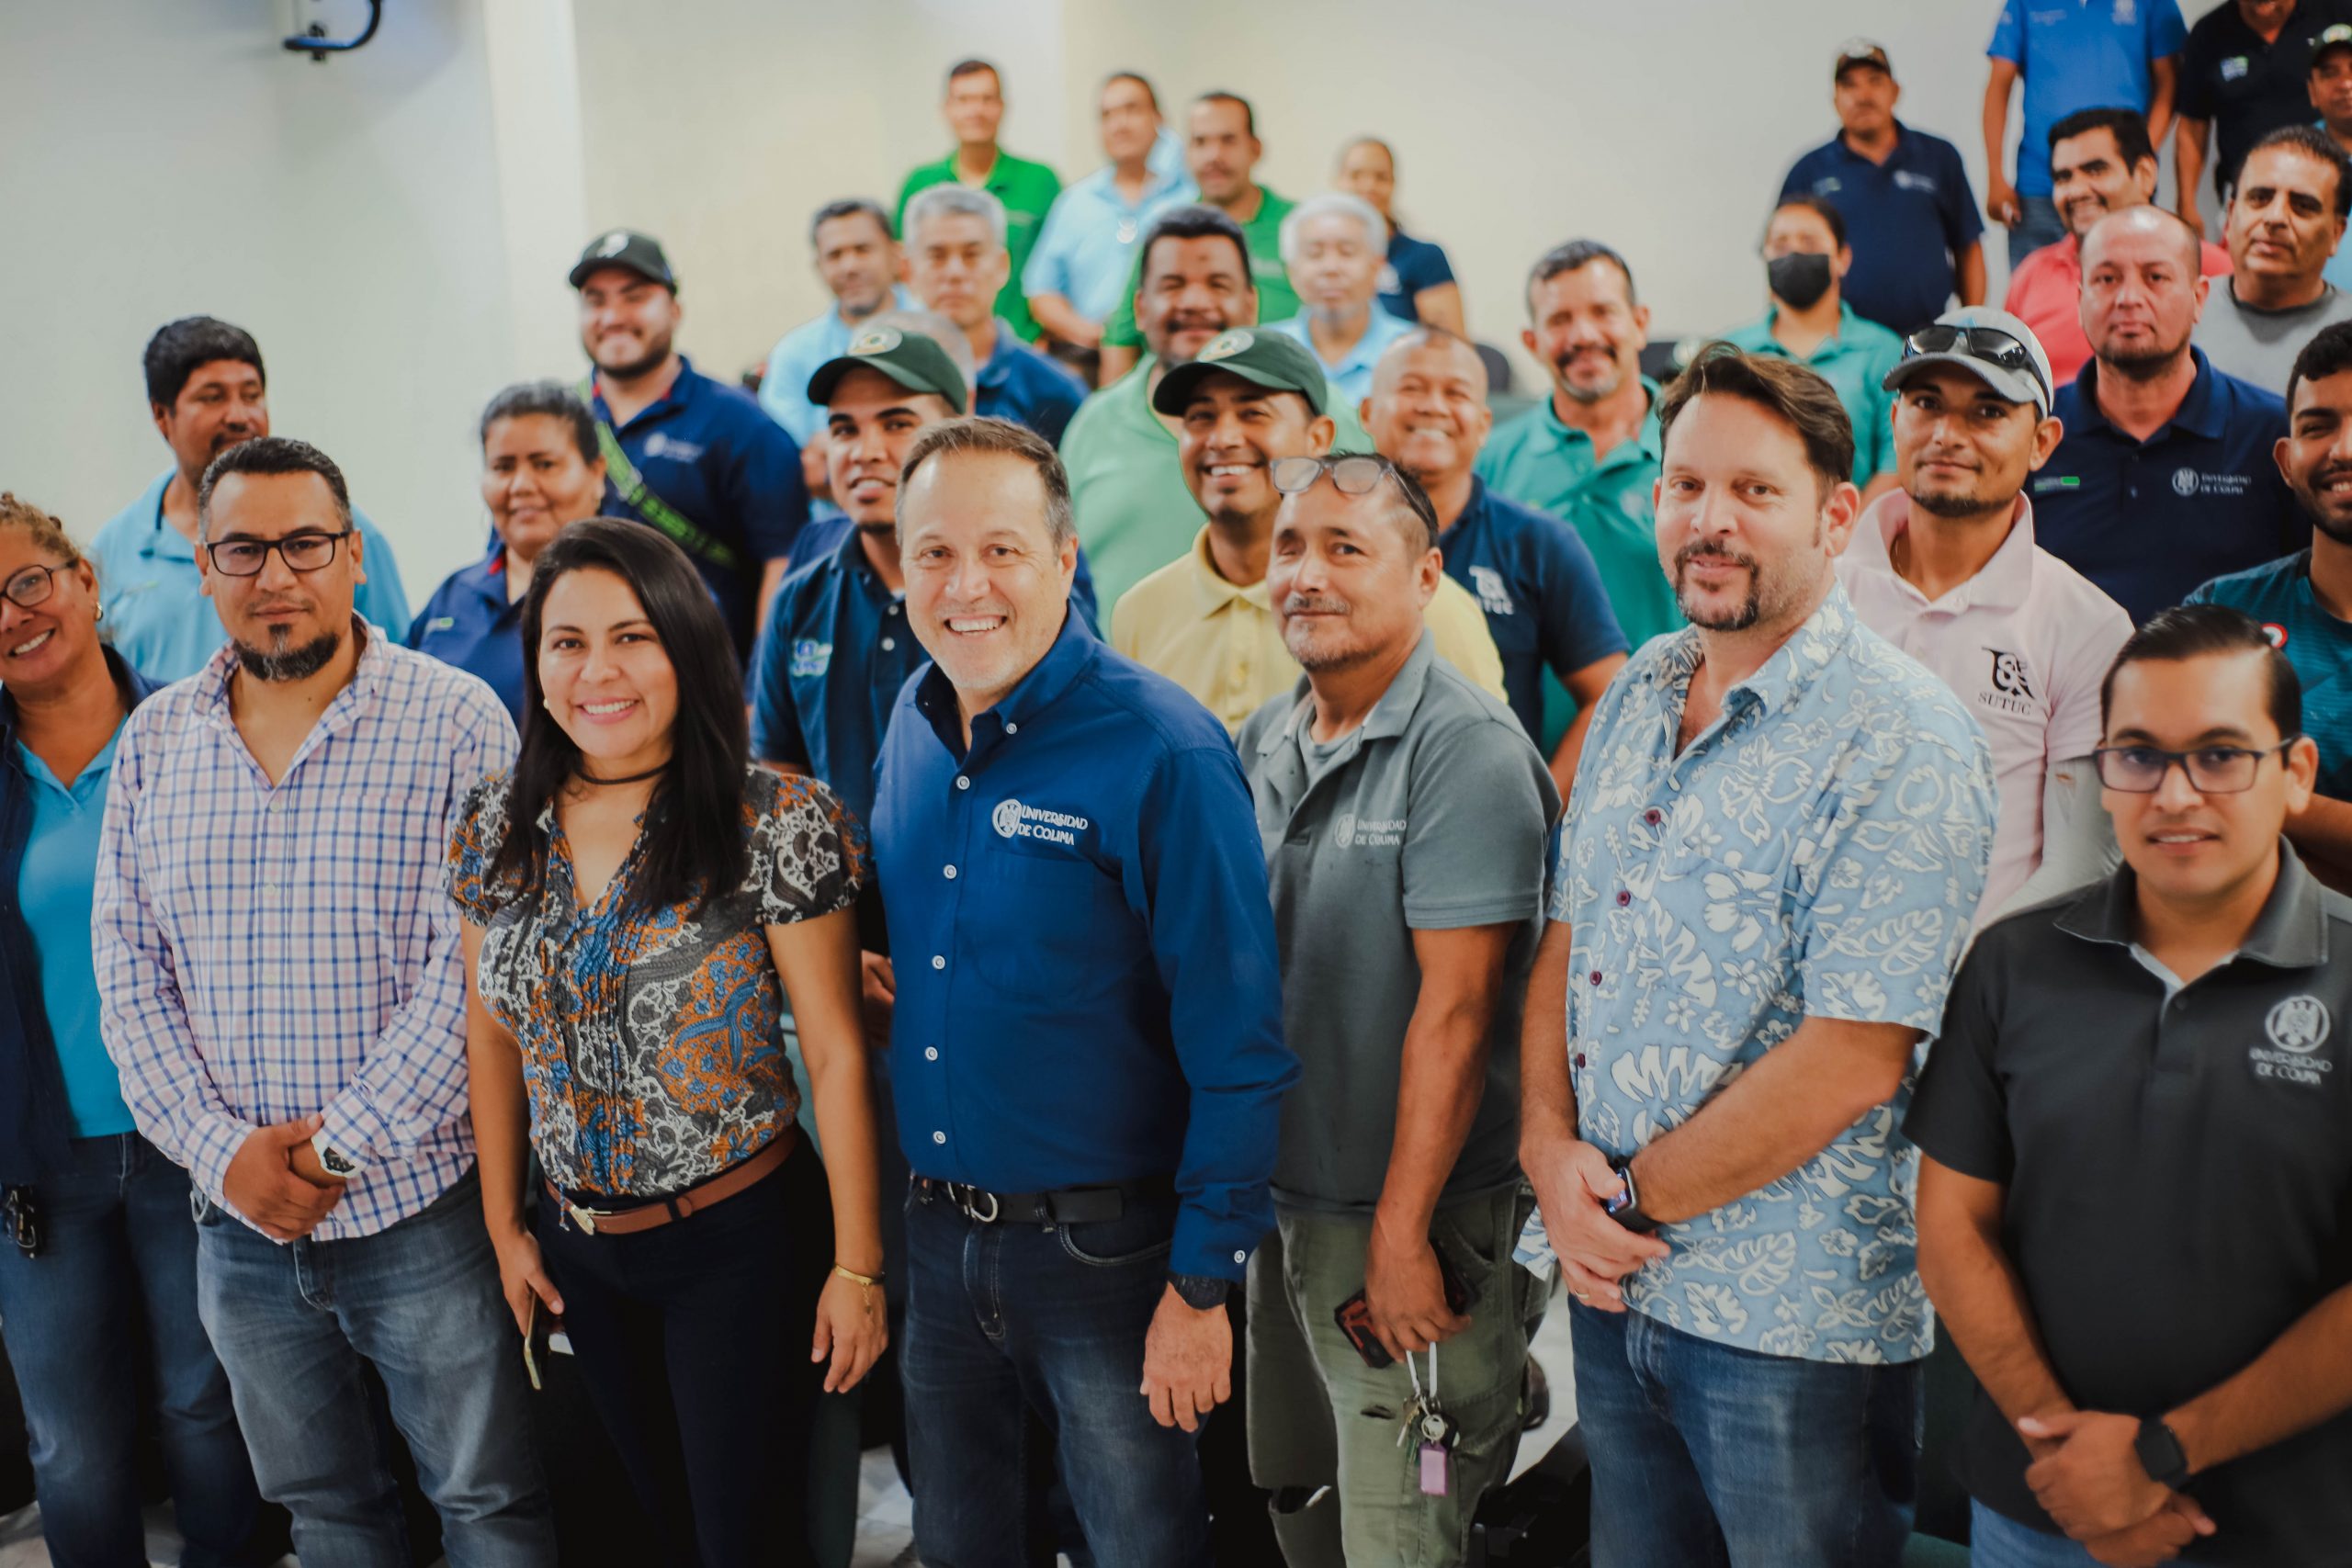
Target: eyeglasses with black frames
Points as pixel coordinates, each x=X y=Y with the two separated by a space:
x=2211 y=770
x=306 y=552
x=33 y=585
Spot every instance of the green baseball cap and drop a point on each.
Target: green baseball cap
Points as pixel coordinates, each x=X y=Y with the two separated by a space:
x=640 y=253
x=2336 y=36
x=912 y=359
x=1272 y=360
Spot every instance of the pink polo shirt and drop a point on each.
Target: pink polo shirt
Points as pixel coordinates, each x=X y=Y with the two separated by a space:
x=2046 y=294
x=2024 y=643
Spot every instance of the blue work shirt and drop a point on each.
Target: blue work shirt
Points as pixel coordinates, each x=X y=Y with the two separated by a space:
x=1028 y=388
x=1541 y=594
x=784 y=386
x=2317 y=644
x=1352 y=374
x=54 y=889
x=1412 y=265
x=2074 y=56
x=2147 y=521
x=1088 y=244
x=1088 y=985
x=470 y=623
x=153 y=595
x=1909 y=220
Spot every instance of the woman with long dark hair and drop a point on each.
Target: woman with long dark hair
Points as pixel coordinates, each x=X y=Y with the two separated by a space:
x=640 y=900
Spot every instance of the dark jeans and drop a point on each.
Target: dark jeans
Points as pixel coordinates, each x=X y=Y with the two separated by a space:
x=119 y=1251
x=1703 y=1454
x=693 y=1338
x=1006 y=1319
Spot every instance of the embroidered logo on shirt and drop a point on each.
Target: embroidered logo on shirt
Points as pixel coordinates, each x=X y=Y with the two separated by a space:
x=1493 y=597
x=1905 y=180
x=2188 y=481
x=1372 y=833
x=875 y=340
x=2233 y=68
x=659 y=444
x=2057 y=481
x=440 y=623
x=2127 y=13
x=2297 y=1027
x=1014 y=820
x=2012 y=689
x=810 y=657
x=1227 y=345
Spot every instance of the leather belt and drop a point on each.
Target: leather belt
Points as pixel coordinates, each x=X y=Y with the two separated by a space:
x=1067 y=1206
x=694 y=1200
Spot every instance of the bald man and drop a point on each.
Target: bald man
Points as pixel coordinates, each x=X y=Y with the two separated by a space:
x=2165 y=477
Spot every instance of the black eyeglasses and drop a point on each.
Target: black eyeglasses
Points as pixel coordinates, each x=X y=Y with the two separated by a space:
x=1990 y=344
x=1353 y=473
x=300 y=552
x=2211 y=770
x=33 y=585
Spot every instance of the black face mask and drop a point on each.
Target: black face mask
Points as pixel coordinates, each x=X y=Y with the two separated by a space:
x=1800 y=280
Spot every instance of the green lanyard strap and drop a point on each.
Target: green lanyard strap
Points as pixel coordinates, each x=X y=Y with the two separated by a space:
x=682 y=530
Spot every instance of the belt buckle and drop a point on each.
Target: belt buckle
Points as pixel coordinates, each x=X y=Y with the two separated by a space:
x=584 y=1218
x=964 y=1196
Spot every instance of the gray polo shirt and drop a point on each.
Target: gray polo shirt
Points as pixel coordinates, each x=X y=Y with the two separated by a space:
x=1433 y=816
x=2259 y=346
x=2178 y=1178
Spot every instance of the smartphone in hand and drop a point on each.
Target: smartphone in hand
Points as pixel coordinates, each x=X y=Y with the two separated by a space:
x=1355 y=1315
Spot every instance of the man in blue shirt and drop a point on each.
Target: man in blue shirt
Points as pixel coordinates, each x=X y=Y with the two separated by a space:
x=2070 y=58
x=1086 y=1039
x=691 y=456
x=206 y=393
x=1908 y=207
x=957 y=259
x=1088 y=245
x=1532 y=576
x=2165 y=478
x=858 y=257
x=1335 y=246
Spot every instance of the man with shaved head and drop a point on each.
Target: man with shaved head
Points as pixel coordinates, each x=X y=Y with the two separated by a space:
x=2164 y=479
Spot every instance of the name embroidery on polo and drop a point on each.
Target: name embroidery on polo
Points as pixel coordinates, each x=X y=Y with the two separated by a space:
x=2297 y=1027
x=1493 y=596
x=659 y=444
x=1011 y=819
x=2045 y=484
x=2012 y=685
x=1905 y=180
x=2233 y=68
x=2188 y=481
x=1352 y=832
x=2127 y=12
x=810 y=657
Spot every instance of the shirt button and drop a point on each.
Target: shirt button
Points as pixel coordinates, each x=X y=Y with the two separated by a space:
x=949 y=872
x=1623 y=897
x=931 y=1052
x=963 y=783
x=1011 y=727
x=888 y=643
x=939 y=962
x=1594 y=976
x=1580 y=1061
x=939 y=1137
x=1241 y=1257
x=1651 y=816
x=270 y=886
x=894 y=609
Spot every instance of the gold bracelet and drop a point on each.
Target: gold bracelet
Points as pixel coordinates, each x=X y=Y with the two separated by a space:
x=865 y=1282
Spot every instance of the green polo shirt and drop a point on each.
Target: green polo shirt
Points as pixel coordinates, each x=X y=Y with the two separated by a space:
x=1027 y=190
x=1277 y=300
x=1539 y=462
x=1135 y=514
x=1854 y=359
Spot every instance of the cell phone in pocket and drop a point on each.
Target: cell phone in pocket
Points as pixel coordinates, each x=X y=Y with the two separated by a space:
x=544 y=1336
x=1355 y=1315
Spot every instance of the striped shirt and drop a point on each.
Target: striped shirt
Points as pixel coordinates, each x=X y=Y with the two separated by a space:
x=264 y=952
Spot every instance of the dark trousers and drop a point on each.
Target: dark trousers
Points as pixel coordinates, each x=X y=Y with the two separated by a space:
x=693 y=1338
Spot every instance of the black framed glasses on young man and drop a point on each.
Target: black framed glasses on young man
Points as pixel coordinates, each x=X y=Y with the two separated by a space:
x=33 y=585
x=2211 y=770
x=306 y=551
x=1353 y=473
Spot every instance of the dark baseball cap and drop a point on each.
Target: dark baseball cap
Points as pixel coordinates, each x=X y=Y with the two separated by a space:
x=2336 y=35
x=640 y=253
x=1860 y=51
x=912 y=359
x=1272 y=360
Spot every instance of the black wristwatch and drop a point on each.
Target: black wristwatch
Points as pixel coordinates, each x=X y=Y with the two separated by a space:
x=1201 y=1291
x=1626 y=1207
x=2160 y=1453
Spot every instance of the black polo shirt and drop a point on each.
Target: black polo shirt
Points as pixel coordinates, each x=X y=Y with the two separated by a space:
x=2247 y=87
x=2178 y=1178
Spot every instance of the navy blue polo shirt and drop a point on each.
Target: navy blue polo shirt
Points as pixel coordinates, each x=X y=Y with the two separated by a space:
x=1028 y=388
x=1908 y=219
x=1413 y=266
x=2199 y=499
x=469 y=623
x=1541 y=592
x=712 y=453
x=1088 y=988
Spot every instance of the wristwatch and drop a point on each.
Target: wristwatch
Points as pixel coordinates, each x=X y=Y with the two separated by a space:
x=1626 y=1207
x=1201 y=1291
x=332 y=1160
x=2160 y=1453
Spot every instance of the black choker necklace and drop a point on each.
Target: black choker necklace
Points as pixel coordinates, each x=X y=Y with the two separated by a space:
x=633 y=778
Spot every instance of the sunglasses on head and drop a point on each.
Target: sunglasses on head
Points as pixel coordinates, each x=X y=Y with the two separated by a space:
x=1353 y=473
x=1990 y=344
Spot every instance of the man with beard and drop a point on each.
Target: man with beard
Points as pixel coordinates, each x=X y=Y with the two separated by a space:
x=2102 y=161
x=2285 y=222
x=206 y=391
x=2163 y=479
x=1135 y=514
x=859 y=258
x=693 y=457
x=1588 y=454
x=1335 y=245
x=284 y=992
x=1946 y=568
x=1780 y=830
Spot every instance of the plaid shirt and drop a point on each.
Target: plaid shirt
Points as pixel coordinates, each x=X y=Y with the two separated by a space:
x=266 y=952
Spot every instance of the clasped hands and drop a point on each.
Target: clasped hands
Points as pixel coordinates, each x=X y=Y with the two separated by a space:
x=2087 y=1476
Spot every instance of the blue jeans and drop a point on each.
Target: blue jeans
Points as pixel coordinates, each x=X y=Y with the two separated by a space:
x=420 y=1303
x=1003 y=1319
x=2038 y=225
x=1995 y=1540
x=117 y=1248
x=1703 y=1454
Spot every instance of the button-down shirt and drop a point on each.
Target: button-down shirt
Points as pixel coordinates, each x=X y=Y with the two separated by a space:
x=2317 y=644
x=2024 y=643
x=1027 y=189
x=2147 y=521
x=1028 y=388
x=269 y=951
x=1815 y=851
x=2046 y=294
x=2070 y=56
x=1352 y=372
x=797 y=355
x=470 y=623
x=1910 y=219
x=1088 y=244
x=1088 y=985
x=1854 y=360
x=1537 y=461
x=151 y=588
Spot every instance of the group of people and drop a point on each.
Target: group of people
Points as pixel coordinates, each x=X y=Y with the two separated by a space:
x=1130 y=925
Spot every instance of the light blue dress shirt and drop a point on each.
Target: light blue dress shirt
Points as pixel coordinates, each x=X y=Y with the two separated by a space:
x=1352 y=375
x=54 y=890
x=1088 y=245
x=784 y=387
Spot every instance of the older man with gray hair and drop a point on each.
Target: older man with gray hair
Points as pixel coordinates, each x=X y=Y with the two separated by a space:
x=1335 y=245
x=956 y=263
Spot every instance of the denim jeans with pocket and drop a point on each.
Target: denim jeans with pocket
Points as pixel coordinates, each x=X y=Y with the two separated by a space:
x=1997 y=1541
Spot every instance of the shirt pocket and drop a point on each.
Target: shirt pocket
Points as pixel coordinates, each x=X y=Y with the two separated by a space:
x=1047 y=927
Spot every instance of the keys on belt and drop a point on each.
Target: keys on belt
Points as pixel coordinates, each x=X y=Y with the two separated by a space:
x=21 y=1216
x=1069 y=1206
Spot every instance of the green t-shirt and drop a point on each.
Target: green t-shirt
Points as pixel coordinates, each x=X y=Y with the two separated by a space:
x=1135 y=514
x=1537 y=460
x=1854 y=361
x=1027 y=190
x=1277 y=300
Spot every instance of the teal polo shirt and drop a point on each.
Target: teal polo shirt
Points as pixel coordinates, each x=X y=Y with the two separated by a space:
x=1537 y=461
x=54 y=888
x=1027 y=190
x=1854 y=360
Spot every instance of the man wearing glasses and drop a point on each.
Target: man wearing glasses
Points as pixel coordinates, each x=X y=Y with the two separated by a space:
x=284 y=995
x=1945 y=567
x=2135 y=1211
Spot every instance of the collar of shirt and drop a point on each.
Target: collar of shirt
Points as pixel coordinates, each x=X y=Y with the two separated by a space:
x=1647 y=443
x=1001 y=175
x=1212 y=592
x=680 y=396
x=161 y=541
x=1898 y=156
x=1781 y=679
x=1389 y=716
x=1073 y=654
x=1102 y=184
x=1757 y=337
x=1379 y=329
x=2002 y=583
x=486 y=581
x=2200 y=413
x=2289 y=933
x=992 y=376
x=211 y=703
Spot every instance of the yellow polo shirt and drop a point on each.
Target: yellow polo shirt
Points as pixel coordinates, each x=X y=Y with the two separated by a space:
x=1223 y=643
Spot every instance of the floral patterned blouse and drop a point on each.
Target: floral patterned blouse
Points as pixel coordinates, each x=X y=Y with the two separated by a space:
x=652 y=1040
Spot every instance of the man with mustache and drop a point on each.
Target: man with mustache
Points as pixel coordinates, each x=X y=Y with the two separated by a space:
x=2286 y=218
x=2243 y=74
x=206 y=393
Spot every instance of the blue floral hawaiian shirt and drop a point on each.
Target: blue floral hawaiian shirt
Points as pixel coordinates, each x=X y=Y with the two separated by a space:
x=1818 y=850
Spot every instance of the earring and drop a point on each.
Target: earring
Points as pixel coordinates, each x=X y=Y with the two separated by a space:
x=99 y=614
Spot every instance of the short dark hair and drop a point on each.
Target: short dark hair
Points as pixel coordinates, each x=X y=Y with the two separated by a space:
x=552 y=399
x=972 y=66
x=1571 y=256
x=1140 y=80
x=2192 y=631
x=2328 y=354
x=1219 y=95
x=1194 y=220
x=2312 y=142
x=2129 y=128
x=270 y=455
x=179 y=348
x=953 y=437
x=1820 y=207
x=849 y=206
x=1796 y=396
